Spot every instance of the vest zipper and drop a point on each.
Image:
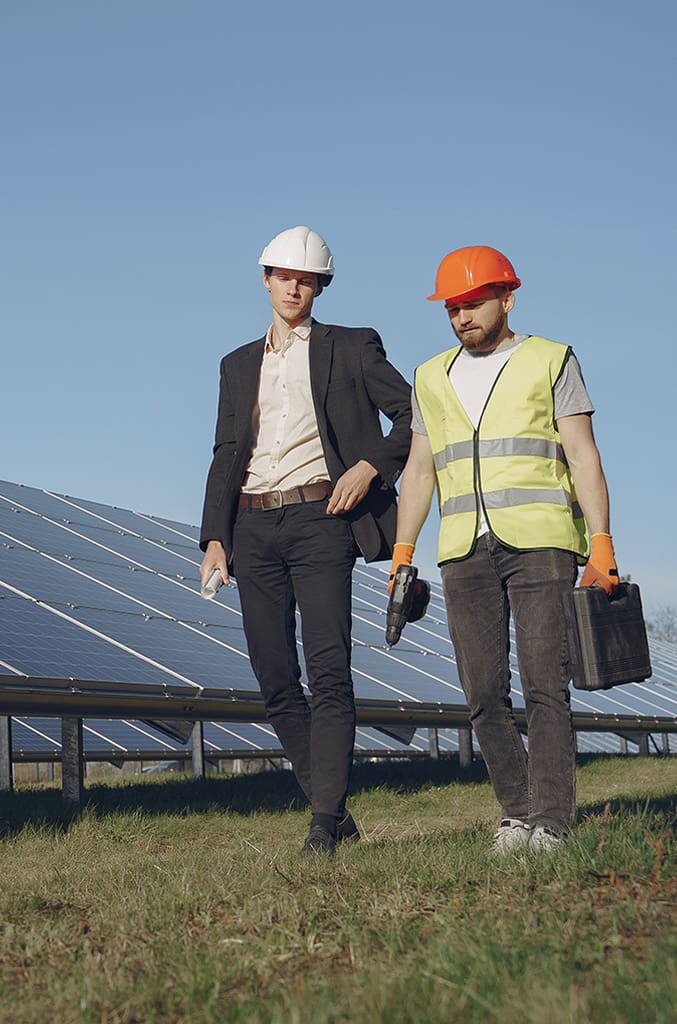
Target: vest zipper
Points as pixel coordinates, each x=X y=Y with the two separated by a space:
x=477 y=478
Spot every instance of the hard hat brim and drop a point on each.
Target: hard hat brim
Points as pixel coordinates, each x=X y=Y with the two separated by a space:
x=293 y=266
x=467 y=296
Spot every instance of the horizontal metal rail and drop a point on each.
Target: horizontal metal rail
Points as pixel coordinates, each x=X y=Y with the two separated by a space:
x=272 y=754
x=37 y=696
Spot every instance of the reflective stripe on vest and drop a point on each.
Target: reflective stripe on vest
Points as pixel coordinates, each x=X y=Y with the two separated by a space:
x=513 y=463
x=533 y=446
x=510 y=498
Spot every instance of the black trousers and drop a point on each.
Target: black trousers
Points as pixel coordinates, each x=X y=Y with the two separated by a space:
x=298 y=556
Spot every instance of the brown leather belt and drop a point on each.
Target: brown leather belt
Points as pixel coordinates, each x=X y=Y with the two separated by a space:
x=276 y=499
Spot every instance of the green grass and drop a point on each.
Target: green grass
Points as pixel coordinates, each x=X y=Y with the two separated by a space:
x=187 y=901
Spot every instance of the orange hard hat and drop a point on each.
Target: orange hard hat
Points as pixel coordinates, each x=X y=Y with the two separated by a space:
x=475 y=266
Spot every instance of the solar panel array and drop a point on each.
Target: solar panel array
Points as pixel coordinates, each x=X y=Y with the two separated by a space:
x=93 y=592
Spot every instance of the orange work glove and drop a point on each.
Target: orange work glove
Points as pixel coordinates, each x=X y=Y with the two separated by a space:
x=402 y=555
x=601 y=570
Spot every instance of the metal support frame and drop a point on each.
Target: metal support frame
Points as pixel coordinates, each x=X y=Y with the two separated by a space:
x=171 y=708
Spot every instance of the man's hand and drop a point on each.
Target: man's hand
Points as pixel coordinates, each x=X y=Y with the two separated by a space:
x=351 y=488
x=601 y=570
x=214 y=558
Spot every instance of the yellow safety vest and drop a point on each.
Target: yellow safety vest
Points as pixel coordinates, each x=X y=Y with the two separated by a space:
x=513 y=463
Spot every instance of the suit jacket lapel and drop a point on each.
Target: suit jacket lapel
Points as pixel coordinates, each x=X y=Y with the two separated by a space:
x=248 y=374
x=320 y=357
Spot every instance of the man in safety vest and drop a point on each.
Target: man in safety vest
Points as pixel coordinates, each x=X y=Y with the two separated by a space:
x=502 y=427
x=301 y=482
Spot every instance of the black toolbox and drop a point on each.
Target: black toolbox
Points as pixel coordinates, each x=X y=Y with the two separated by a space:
x=607 y=637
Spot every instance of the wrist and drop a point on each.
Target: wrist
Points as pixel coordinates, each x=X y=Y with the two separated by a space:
x=403 y=553
x=602 y=542
x=373 y=472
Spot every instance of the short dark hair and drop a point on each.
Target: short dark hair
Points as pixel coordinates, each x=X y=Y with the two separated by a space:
x=323 y=280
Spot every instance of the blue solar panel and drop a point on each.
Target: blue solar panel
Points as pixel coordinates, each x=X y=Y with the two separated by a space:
x=110 y=736
x=90 y=591
x=37 y=642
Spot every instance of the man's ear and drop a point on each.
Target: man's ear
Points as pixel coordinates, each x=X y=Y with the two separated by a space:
x=266 y=281
x=508 y=301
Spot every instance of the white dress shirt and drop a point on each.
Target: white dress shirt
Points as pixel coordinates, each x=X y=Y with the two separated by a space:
x=288 y=451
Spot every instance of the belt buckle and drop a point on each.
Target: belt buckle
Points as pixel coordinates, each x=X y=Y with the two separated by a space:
x=273 y=499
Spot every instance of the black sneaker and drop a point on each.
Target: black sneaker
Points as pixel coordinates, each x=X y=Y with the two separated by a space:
x=346 y=829
x=319 y=840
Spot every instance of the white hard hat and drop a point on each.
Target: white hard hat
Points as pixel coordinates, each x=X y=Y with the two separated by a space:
x=299 y=249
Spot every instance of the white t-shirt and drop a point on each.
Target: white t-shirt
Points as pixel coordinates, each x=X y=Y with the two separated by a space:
x=473 y=376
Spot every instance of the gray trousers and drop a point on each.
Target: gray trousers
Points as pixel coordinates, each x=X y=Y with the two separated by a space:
x=480 y=594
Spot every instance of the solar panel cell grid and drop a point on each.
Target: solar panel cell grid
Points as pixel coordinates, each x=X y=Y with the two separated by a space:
x=40 y=643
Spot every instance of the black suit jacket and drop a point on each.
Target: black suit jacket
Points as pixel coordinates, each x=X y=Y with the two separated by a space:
x=351 y=381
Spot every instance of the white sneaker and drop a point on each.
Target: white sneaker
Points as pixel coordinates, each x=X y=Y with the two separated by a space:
x=512 y=835
x=543 y=840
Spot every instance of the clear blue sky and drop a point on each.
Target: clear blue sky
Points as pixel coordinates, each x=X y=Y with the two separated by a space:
x=150 y=148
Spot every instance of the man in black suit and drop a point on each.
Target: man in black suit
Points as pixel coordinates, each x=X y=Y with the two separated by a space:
x=301 y=482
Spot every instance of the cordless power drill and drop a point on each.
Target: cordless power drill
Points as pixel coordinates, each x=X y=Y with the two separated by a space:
x=408 y=602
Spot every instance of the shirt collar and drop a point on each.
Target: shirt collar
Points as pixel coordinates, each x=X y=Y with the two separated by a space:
x=301 y=331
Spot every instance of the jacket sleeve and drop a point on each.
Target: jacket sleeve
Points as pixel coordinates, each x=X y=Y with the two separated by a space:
x=391 y=395
x=221 y=466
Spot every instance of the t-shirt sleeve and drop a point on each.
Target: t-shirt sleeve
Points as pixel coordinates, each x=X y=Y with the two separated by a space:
x=570 y=395
x=417 y=424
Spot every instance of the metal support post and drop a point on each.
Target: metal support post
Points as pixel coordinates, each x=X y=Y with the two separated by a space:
x=643 y=744
x=72 y=786
x=465 y=751
x=434 y=744
x=6 y=776
x=198 y=751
